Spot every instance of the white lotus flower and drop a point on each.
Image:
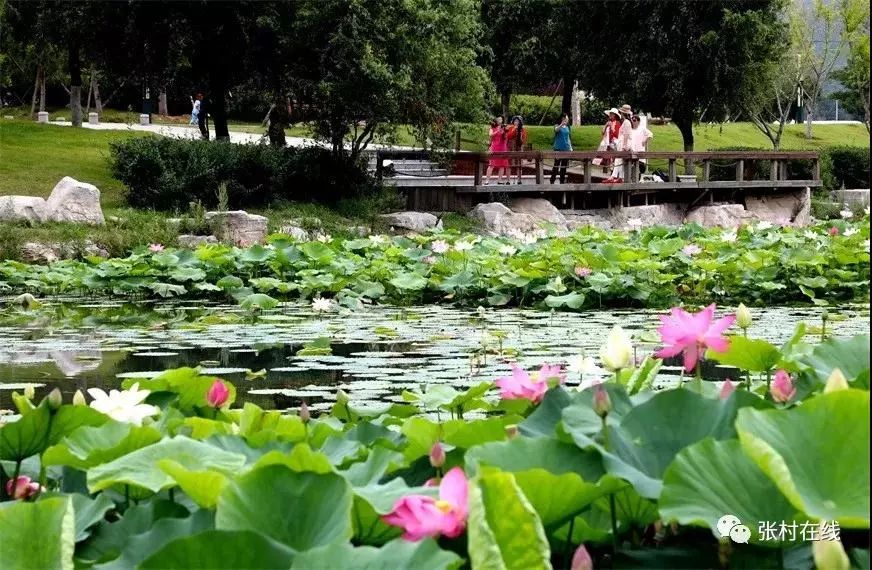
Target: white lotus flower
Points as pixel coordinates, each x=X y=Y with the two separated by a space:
x=124 y=406
x=866 y=211
x=463 y=246
x=851 y=231
x=583 y=365
x=634 y=223
x=764 y=225
x=378 y=239
x=440 y=246
x=846 y=214
x=617 y=352
x=729 y=236
x=324 y=238
x=809 y=234
x=321 y=305
x=507 y=250
x=866 y=245
x=585 y=384
x=529 y=239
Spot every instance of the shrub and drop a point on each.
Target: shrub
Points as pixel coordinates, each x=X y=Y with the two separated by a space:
x=169 y=174
x=848 y=165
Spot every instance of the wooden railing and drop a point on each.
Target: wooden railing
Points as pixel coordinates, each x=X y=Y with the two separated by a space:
x=778 y=175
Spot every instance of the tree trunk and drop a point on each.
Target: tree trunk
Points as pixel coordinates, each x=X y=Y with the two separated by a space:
x=98 y=103
x=42 y=91
x=162 y=102
x=809 y=115
x=505 y=101
x=685 y=125
x=75 y=69
x=90 y=90
x=35 y=90
x=566 y=104
x=217 y=107
x=576 y=104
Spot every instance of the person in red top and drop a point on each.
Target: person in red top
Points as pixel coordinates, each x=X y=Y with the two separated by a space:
x=516 y=137
x=609 y=135
x=498 y=143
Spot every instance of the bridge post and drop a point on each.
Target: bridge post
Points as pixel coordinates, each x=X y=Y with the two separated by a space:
x=539 y=168
x=673 y=174
x=586 y=164
x=773 y=171
x=477 y=171
x=740 y=170
x=706 y=170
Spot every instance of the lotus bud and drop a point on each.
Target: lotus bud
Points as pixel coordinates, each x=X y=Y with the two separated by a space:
x=836 y=381
x=782 y=388
x=830 y=554
x=743 y=316
x=218 y=394
x=22 y=488
x=29 y=392
x=437 y=455
x=602 y=404
x=305 y=415
x=512 y=431
x=727 y=389
x=617 y=353
x=79 y=398
x=581 y=560
x=825 y=315
x=55 y=399
x=342 y=398
x=481 y=312
x=834 y=231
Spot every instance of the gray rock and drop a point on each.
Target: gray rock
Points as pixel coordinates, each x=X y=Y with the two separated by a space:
x=363 y=231
x=719 y=215
x=294 y=232
x=22 y=208
x=793 y=208
x=496 y=219
x=39 y=252
x=412 y=221
x=855 y=197
x=74 y=201
x=540 y=209
x=193 y=242
x=583 y=221
x=238 y=227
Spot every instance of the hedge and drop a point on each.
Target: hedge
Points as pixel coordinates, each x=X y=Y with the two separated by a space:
x=168 y=174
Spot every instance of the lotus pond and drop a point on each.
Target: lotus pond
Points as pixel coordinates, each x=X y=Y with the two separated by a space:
x=403 y=438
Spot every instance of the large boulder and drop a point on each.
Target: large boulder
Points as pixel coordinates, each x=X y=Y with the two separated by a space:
x=793 y=208
x=496 y=219
x=74 y=201
x=238 y=227
x=719 y=215
x=193 y=242
x=410 y=221
x=22 y=208
x=540 y=209
x=39 y=252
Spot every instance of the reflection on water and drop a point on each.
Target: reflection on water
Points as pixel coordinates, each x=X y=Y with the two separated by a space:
x=376 y=353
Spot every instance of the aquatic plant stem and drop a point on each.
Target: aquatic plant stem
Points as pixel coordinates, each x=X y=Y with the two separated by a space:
x=613 y=513
x=568 y=547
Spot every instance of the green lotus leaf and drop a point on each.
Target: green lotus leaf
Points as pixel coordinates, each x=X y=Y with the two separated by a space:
x=754 y=355
x=850 y=355
x=140 y=468
x=91 y=446
x=222 y=550
x=710 y=479
x=817 y=454
x=397 y=555
x=258 y=301
x=313 y=510
x=504 y=531
x=27 y=436
x=37 y=535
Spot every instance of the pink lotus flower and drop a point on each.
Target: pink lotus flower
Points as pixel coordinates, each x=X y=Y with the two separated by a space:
x=834 y=231
x=692 y=333
x=23 y=488
x=691 y=249
x=437 y=455
x=727 y=389
x=421 y=516
x=429 y=260
x=583 y=271
x=217 y=394
x=602 y=404
x=155 y=248
x=782 y=388
x=581 y=560
x=521 y=385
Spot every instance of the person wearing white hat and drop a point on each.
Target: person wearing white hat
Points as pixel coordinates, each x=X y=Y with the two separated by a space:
x=623 y=142
x=609 y=135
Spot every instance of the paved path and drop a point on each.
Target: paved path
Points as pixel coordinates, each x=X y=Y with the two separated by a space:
x=192 y=132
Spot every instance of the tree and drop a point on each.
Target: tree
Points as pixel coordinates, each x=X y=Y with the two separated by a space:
x=854 y=77
x=364 y=67
x=681 y=59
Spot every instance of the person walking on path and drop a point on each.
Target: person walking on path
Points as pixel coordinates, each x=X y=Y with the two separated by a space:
x=562 y=143
x=195 y=109
x=516 y=135
x=203 y=116
x=498 y=143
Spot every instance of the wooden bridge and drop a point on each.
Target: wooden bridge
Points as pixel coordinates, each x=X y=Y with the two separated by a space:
x=723 y=176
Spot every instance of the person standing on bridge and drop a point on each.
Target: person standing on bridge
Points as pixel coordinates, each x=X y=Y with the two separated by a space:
x=639 y=140
x=624 y=143
x=498 y=143
x=562 y=143
x=516 y=135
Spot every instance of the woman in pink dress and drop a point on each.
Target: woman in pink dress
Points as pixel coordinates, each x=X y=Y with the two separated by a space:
x=498 y=143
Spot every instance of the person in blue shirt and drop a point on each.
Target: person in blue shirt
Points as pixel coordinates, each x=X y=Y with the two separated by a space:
x=561 y=143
